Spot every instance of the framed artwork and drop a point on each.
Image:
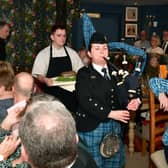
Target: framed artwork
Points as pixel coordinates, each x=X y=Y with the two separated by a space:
x=131 y=30
x=131 y=14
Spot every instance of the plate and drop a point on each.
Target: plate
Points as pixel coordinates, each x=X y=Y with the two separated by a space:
x=67 y=83
x=60 y=80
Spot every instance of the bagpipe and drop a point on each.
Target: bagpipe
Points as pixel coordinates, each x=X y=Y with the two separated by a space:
x=128 y=87
x=128 y=83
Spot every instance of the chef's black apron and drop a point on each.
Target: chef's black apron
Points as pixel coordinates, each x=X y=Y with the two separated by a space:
x=57 y=65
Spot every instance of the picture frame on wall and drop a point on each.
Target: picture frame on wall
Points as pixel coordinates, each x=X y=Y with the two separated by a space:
x=131 y=14
x=131 y=30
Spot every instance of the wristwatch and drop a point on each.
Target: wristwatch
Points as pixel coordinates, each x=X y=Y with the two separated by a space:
x=1 y=158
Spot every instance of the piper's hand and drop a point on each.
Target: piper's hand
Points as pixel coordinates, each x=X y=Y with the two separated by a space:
x=133 y=104
x=120 y=115
x=163 y=101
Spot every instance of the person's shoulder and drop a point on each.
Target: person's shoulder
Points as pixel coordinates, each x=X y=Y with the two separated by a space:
x=84 y=159
x=84 y=69
x=137 y=42
x=7 y=102
x=44 y=51
x=83 y=73
x=69 y=49
x=160 y=50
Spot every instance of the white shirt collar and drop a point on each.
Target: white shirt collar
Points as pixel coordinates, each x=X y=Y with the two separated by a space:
x=98 y=68
x=58 y=52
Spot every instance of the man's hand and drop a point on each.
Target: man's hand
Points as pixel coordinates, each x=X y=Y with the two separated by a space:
x=163 y=99
x=45 y=80
x=8 y=146
x=12 y=118
x=48 y=81
x=120 y=115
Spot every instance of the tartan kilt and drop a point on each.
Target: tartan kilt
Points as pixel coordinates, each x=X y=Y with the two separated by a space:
x=92 y=140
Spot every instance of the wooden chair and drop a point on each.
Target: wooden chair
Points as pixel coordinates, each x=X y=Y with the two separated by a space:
x=145 y=128
x=150 y=103
x=157 y=125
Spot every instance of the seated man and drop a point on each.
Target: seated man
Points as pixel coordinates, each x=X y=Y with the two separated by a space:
x=22 y=90
x=48 y=129
x=49 y=139
x=160 y=88
x=142 y=43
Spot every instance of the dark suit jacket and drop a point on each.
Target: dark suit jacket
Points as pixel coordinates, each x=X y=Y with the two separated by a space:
x=96 y=98
x=162 y=45
x=2 y=49
x=84 y=160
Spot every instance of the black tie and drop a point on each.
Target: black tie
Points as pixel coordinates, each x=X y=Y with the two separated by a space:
x=104 y=70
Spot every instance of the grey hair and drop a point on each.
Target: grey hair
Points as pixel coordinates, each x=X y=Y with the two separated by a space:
x=48 y=134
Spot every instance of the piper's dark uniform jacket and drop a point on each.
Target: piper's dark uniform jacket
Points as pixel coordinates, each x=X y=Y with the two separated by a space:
x=96 y=97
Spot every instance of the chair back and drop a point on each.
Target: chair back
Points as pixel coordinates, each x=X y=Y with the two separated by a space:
x=158 y=119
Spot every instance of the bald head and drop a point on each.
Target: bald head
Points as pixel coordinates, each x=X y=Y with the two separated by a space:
x=23 y=84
